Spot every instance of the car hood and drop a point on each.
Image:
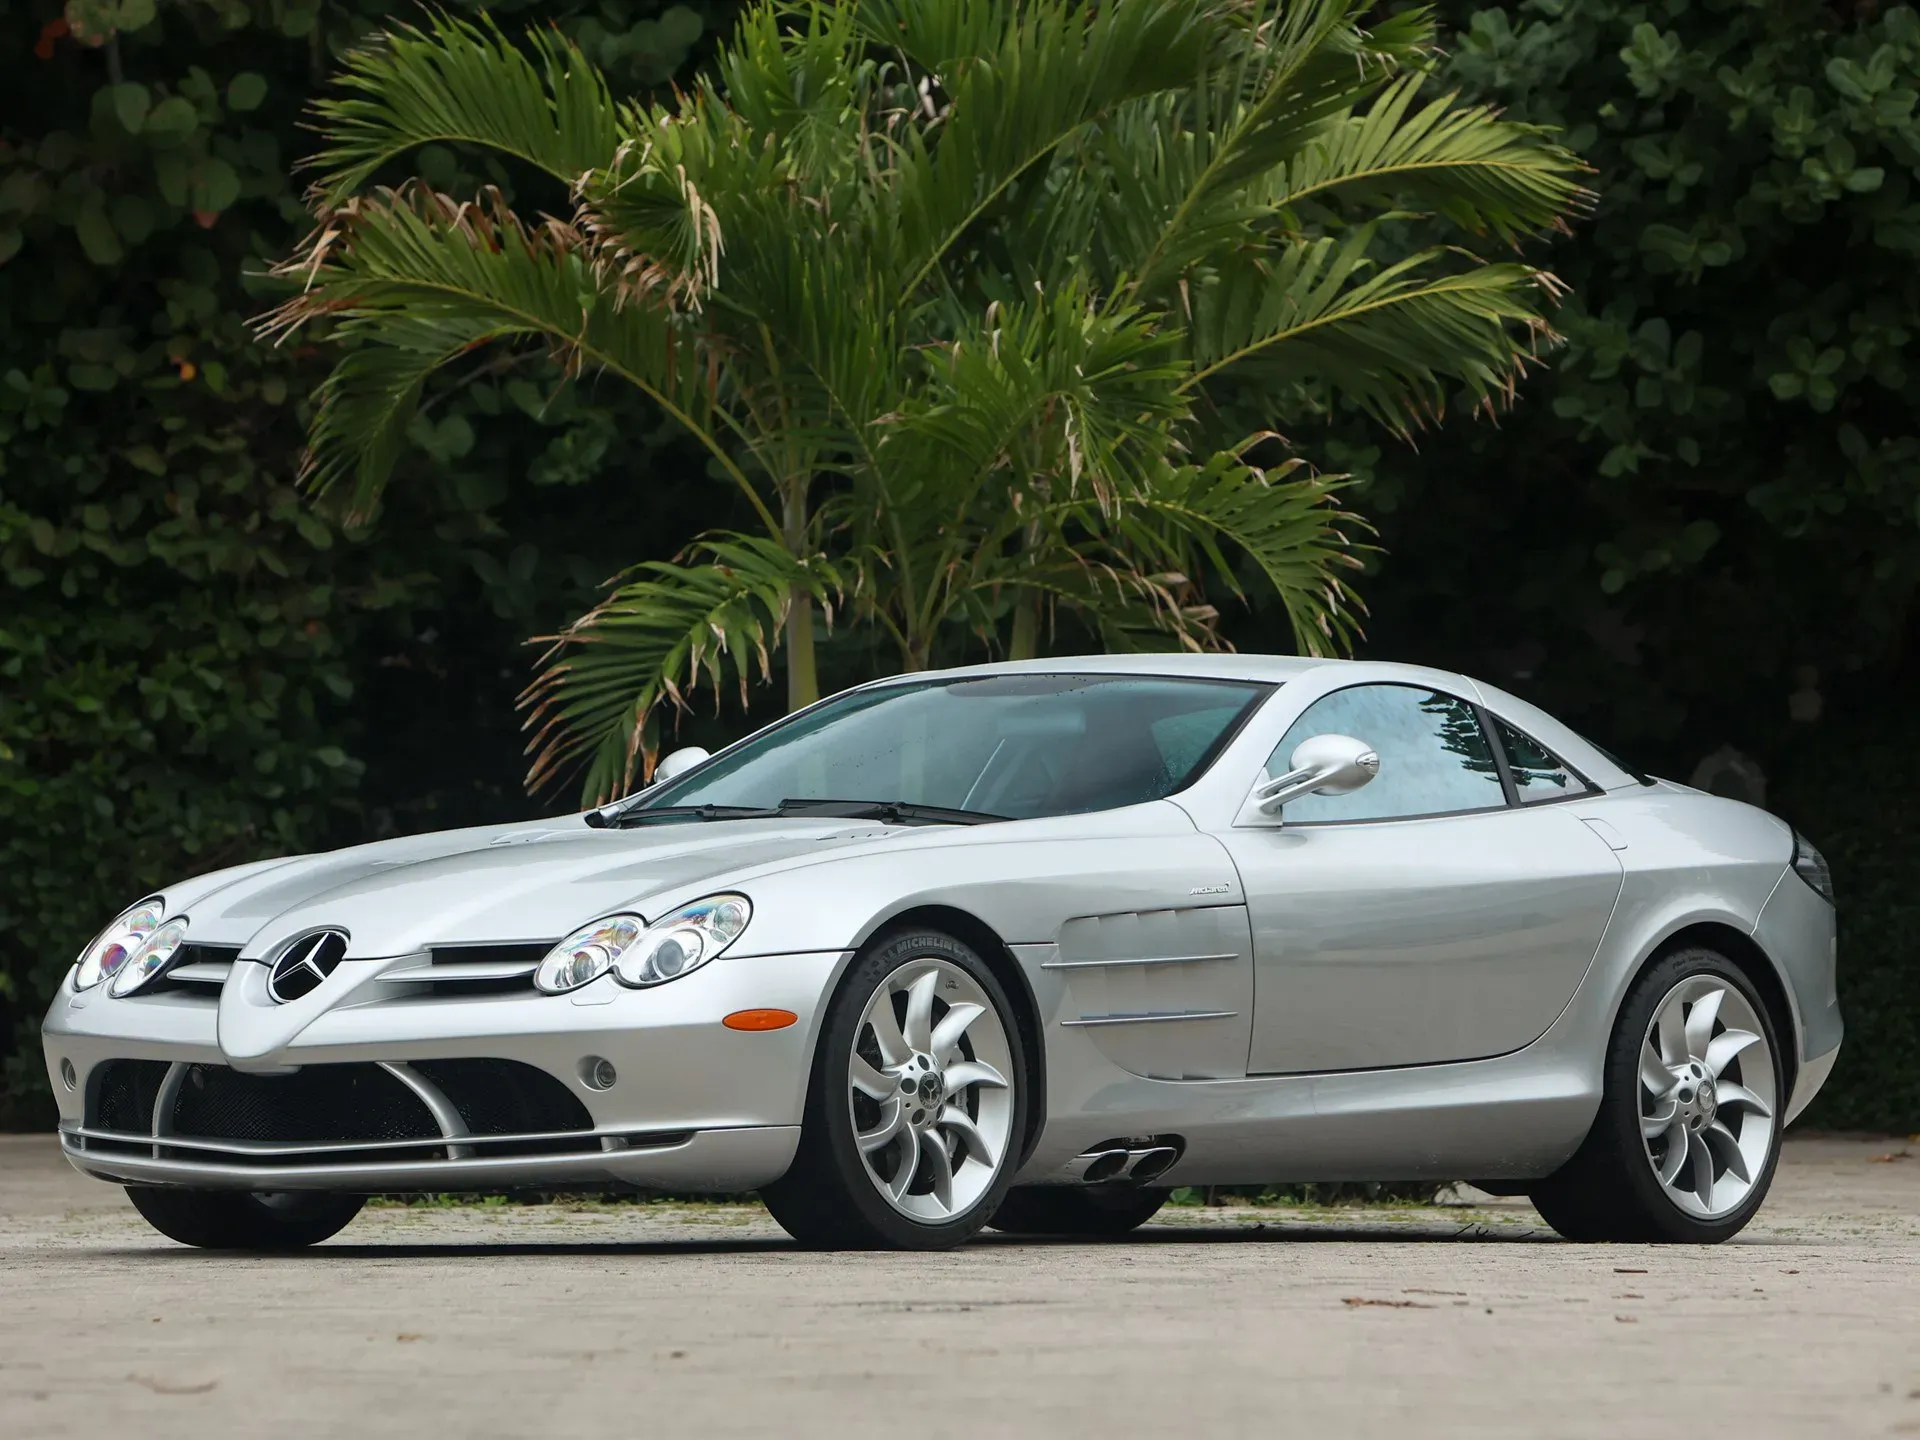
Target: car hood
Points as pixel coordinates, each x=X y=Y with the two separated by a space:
x=490 y=885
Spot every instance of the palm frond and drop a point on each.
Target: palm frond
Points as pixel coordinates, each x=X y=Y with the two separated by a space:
x=1005 y=86
x=1286 y=521
x=1485 y=174
x=456 y=82
x=1390 y=339
x=399 y=266
x=666 y=629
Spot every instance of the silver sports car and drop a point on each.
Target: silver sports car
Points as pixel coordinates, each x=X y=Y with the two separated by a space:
x=1022 y=944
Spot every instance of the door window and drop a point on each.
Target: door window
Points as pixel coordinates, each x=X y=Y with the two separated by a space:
x=1538 y=774
x=1434 y=756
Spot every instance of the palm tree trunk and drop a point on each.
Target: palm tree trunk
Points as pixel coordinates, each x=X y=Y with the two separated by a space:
x=803 y=678
x=1025 y=644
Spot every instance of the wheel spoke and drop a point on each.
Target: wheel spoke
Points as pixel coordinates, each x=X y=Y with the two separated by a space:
x=1673 y=1034
x=1699 y=1026
x=1732 y=1094
x=1676 y=1155
x=919 y=1026
x=935 y=1149
x=952 y=1026
x=909 y=1166
x=1721 y=1141
x=878 y=1138
x=1702 y=1159
x=894 y=1049
x=1654 y=1074
x=961 y=1124
x=1726 y=1045
x=972 y=1072
x=875 y=1084
x=1653 y=1126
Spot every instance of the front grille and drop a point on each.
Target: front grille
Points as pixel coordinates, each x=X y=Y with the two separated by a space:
x=456 y=970
x=121 y=1093
x=197 y=970
x=342 y=1103
x=341 y=1114
x=505 y=1097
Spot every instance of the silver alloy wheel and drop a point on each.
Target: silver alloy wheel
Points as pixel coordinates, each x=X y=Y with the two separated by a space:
x=929 y=1087
x=1708 y=1091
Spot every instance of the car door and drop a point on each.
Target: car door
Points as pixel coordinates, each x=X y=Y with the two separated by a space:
x=1427 y=916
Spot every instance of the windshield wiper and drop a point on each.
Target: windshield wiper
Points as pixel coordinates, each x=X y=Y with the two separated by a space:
x=642 y=814
x=897 y=812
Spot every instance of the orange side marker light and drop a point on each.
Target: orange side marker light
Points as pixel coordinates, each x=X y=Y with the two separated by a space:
x=760 y=1019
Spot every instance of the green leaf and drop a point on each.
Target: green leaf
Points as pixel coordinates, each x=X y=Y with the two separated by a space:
x=130 y=105
x=215 y=186
x=246 y=91
x=96 y=234
x=172 y=122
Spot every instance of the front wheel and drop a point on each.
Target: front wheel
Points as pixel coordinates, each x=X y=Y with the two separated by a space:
x=915 y=1107
x=276 y=1220
x=1688 y=1133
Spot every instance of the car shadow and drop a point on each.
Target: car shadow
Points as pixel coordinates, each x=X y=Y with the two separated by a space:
x=1155 y=1236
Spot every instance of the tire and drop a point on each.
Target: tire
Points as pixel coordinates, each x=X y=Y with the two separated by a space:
x=1091 y=1212
x=245 y=1220
x=837 y=1195
x=1615 y=1187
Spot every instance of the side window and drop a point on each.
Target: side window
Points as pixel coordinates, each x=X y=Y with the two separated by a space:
x=1434 y=757
x=1538 y=774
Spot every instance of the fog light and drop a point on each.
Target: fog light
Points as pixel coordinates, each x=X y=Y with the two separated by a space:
x=68 y=1076
x=597 y=1073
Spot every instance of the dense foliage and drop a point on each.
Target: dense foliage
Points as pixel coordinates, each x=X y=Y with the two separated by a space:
x=1696 y=531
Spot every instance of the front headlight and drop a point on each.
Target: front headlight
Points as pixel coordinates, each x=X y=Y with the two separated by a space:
x=1811 y=866
x=151 y=958
x=683 y=941
x=587 y=954
x=641 y=955
x=116 y=944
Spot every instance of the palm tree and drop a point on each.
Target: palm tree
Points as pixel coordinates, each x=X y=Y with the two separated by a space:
x=942 y=289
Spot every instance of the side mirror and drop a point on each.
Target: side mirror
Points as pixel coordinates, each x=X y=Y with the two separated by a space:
x=678 y=762
x=1321 y=765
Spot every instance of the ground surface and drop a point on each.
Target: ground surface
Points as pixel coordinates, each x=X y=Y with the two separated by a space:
x=658 y=1320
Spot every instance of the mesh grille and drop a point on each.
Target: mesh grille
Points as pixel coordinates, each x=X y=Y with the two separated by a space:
x=316 y=1104
x=123 y=1093
x=505 y=1097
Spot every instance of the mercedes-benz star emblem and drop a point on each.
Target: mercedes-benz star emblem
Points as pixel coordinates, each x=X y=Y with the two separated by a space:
x=304 y=964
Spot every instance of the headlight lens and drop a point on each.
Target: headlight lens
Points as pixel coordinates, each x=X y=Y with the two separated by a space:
x=151 y=958
x=640 y=954
x=116 y=944
x=587 y=954
x=1811 y=866
x=683 y=940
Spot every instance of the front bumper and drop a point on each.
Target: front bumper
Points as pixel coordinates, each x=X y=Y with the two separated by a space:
x=695 y=1106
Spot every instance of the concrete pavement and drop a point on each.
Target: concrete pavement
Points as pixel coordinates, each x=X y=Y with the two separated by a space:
x=1463 y=1320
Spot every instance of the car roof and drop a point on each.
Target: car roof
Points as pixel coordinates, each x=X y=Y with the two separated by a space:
x=1229 y=665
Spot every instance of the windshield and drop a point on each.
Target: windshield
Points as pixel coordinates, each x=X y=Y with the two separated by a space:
x=1004 y=746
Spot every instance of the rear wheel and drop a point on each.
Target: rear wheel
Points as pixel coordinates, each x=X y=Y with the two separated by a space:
x=1688 y=1134
x=245 y=1220
x=1092 y=1211
x=915 y=1106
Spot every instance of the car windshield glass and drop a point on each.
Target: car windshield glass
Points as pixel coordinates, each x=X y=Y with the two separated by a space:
x=1002 y=746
